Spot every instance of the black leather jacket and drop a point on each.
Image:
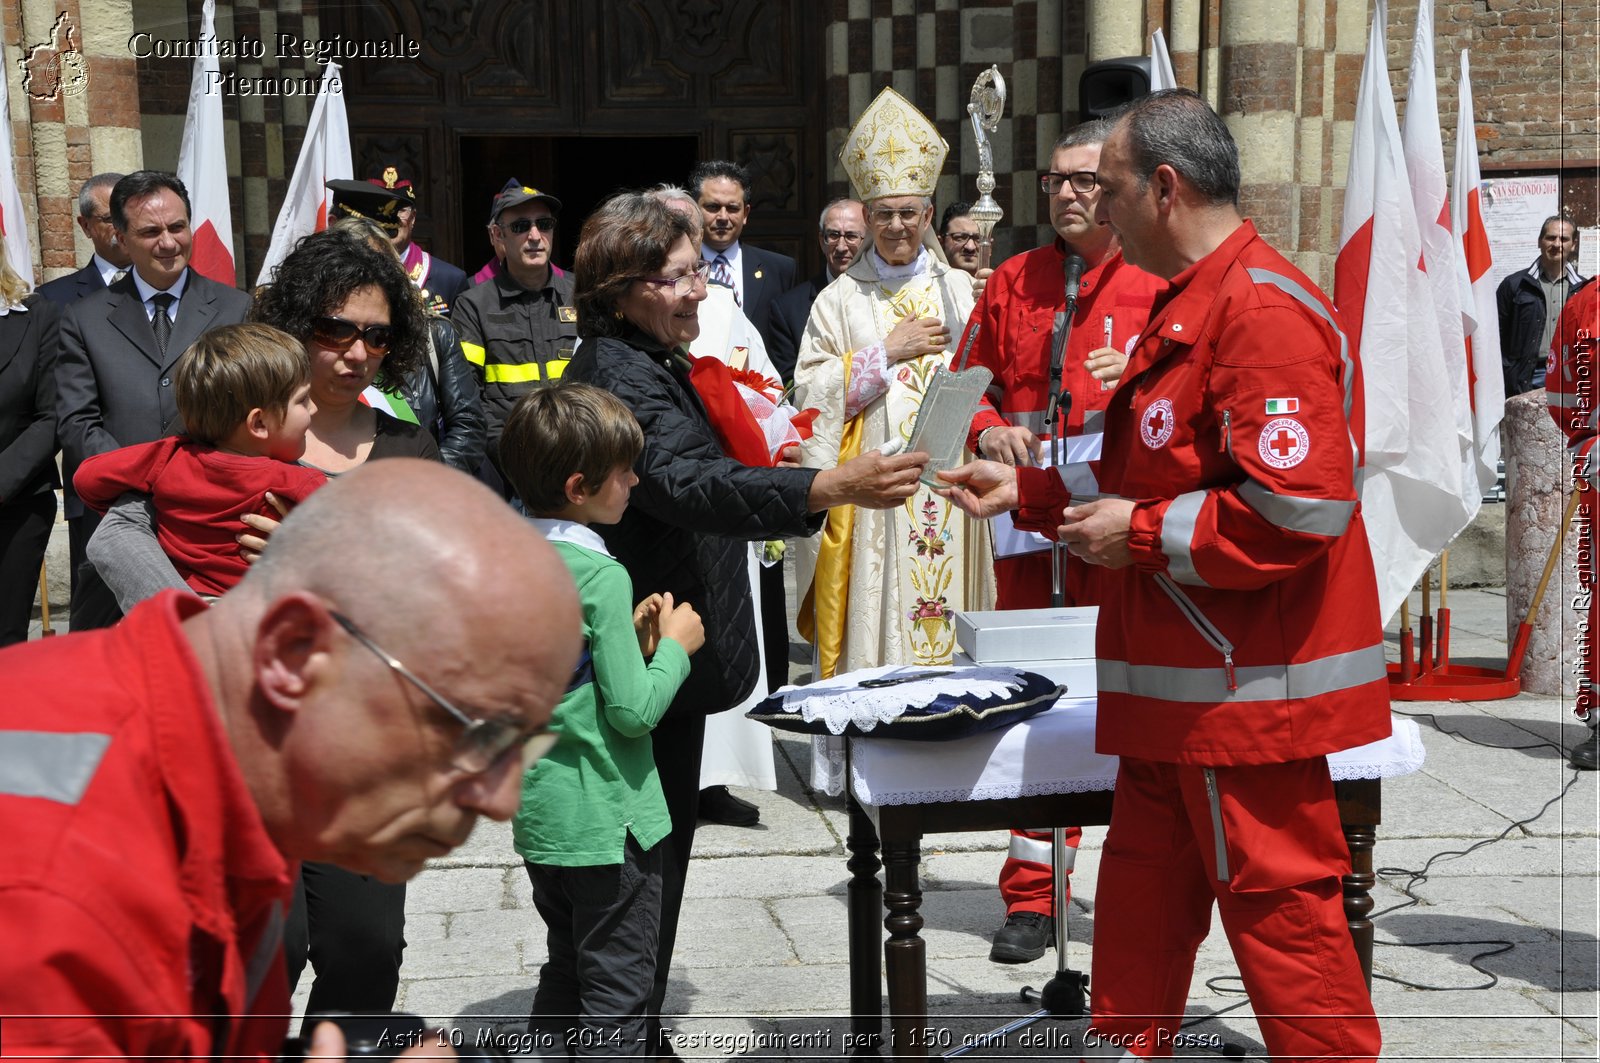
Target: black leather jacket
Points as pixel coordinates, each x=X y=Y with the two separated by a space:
x=452 y=410
x=695 y=510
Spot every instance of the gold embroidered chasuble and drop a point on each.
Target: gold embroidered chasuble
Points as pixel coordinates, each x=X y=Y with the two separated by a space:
x=910 y=567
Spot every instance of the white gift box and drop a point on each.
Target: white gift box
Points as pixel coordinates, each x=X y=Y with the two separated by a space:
x=1027 y=637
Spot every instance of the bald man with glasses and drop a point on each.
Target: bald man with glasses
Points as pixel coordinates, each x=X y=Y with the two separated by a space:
x=161 y=780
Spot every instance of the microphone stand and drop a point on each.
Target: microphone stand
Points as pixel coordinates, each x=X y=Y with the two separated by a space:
x=1060 y=407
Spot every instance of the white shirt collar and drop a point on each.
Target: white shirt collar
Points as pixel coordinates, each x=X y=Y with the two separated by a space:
x=146 y=292
x=731 y=254
x=107 y=270
x=916 y=267
x=19 y=305
x=570 y=531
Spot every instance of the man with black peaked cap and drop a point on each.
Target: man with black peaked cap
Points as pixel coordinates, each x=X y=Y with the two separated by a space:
x=389 y=198
x=520 y=328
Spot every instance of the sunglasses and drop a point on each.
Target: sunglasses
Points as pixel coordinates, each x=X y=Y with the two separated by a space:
x=337 y=334
x=521 y=226
x=482 y=742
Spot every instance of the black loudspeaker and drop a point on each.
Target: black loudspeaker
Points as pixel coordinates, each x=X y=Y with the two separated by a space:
x=1110 y=83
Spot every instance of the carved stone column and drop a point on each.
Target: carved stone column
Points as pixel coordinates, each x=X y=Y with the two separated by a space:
x=1537 y=487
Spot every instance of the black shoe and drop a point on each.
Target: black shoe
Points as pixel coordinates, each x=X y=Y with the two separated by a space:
x=1586 y=755
x=1023 y=938
x=717 y=805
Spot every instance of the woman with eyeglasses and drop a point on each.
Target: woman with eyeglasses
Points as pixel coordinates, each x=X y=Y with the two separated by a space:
x=354 y=309
x=639 y=284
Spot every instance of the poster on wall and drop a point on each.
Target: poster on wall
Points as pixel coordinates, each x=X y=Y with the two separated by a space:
x=1589 y=251
x=1513 y=209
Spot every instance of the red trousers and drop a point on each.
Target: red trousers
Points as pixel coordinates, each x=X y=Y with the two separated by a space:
x=1025 y=876
x=1273 y=872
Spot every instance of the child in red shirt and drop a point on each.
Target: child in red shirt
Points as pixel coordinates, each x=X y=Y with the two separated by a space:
x=244 y=394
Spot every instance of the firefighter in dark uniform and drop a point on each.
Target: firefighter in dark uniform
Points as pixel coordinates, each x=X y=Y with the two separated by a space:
x=519 y=329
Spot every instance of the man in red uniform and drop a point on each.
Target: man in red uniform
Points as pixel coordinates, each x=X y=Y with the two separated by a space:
x=160 y=779
x=1570 y=386
x=1239 y=640
x=1016 y=319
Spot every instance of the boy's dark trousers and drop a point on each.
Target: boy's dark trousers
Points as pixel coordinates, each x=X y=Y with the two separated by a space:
x=601 y=926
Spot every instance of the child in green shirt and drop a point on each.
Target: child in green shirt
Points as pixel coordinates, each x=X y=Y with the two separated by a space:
x=592 y=810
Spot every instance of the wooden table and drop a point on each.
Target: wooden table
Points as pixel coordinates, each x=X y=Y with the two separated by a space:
x=900 y=828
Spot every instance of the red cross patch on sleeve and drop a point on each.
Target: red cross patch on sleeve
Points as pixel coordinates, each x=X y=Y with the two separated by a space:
x=1284 y=443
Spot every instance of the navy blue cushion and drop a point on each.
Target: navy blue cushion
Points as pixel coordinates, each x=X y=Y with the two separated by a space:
x=946 y=717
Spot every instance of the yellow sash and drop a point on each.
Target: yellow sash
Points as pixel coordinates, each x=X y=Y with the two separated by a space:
x=822 y=612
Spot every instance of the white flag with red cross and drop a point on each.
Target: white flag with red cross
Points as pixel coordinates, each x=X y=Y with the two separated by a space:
x=203 y=161
x=324 y=156
x=1479 y=308
x=1411 y=494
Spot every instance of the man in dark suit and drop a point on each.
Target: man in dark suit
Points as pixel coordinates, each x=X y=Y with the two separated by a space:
x=757 y=277
x=842 y=229
x=114 y=372
x=110 y=259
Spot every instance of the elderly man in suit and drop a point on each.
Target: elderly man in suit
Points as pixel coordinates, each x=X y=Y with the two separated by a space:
x=841 y=229
x=118 y=345
x=757 y=277
x=110 y=260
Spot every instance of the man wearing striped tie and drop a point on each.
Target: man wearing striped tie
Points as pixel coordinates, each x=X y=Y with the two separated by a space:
x=756 y=276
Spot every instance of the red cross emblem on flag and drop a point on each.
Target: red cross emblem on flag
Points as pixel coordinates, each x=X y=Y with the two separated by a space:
x=1156 y=424
x=1284 y=443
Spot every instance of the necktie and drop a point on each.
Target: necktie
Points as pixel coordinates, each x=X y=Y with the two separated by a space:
x=118 y=275
x=161 y=323
x=722 y=273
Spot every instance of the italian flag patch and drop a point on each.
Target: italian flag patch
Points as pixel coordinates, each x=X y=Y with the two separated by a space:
x=1279 y=407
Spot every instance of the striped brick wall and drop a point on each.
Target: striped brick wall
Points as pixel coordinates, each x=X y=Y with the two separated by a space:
x=65 y=131
x=932 y=51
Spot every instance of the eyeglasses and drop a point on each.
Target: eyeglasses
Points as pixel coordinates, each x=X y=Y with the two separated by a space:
x=521 y=226
x=884 y=215
x=964 y=238
x=685 y=284
x=833 y=236
x=1082 y=182
x=337 y=334
x=483 y=741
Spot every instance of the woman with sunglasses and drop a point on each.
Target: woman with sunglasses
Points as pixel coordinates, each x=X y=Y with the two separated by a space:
x=354 y=309
x=638 y=284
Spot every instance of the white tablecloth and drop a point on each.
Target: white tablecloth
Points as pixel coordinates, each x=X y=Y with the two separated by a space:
x=1051 y=753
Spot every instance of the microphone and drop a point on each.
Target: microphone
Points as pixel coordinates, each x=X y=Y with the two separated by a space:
x=1073 y=269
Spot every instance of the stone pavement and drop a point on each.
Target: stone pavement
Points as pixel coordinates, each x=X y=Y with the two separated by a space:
x=1496 y=958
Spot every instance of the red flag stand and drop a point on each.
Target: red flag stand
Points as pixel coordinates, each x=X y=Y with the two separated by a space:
x=1432 y=677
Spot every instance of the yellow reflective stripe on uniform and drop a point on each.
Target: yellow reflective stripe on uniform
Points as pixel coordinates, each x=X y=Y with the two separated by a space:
x=53 y=765
x=522 y=374
x=1272 y=682
x=474 y=352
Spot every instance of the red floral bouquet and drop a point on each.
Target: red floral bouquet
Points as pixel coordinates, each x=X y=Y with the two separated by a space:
x=752 y=421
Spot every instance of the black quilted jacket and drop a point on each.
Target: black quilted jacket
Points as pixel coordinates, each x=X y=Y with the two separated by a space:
x=693 y=513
